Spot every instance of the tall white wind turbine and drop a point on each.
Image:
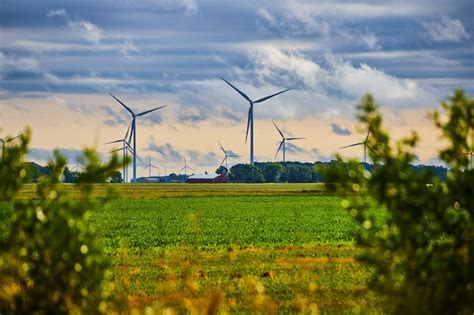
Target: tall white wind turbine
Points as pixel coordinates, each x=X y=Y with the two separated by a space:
x=134 y=131
x=250 y=114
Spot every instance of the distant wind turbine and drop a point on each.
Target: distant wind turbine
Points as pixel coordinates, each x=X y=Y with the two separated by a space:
x=134 y=131
x=283 y=142
x=250 y=114
x=125 y=149
x=149 y=166
x=77 y=167
x=6 y=140
x=227 y=155
x=364 y=143
x=185 y=168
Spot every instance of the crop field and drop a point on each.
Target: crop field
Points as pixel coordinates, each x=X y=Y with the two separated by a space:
x=246 y=248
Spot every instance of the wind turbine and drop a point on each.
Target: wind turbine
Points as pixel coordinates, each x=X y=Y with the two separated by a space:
x=250 y=115
x=283 y=141
x=5 y=140
x=134 y=131
x=364 y=143
x=77 y=167
x=185 y=168
x=149 y=166
x=226 y=155
x=125 y=149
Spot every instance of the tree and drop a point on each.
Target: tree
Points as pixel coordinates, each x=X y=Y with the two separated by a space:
x=116 y=177
x=246 y=173
x=272 y=172
x=422 y=248
x=297 y=174
x=222 y=170
x=50 y=260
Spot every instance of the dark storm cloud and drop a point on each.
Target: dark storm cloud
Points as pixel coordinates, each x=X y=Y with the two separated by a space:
x=167 y=151
x=339 y=130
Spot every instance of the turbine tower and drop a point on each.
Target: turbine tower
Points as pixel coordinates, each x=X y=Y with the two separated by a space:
x=149 y=166
x=226 y=155
x=6 y=140
x=364 y=143
x=185 y=168
x=134 y=131
x=283 y=142
x=250 y=114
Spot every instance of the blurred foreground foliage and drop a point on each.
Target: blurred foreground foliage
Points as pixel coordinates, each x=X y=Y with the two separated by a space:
x=50 y=261
x=423 y=252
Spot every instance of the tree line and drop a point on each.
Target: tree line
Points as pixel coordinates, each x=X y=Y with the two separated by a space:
x=301 y=172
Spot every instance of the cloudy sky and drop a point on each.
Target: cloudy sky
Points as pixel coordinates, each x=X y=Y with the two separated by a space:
x=60 y=59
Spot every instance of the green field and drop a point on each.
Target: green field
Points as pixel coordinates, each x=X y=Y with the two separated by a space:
x=273 y=248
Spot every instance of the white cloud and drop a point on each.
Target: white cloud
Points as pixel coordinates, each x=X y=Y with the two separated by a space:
x=8 y=64
x=190 y=6
x=370 y=40
x=446 y=29
x=59 y=12
x=88 y=30
x=127 y=47
x=334 y=79
x=307 y=9
x=270 y=62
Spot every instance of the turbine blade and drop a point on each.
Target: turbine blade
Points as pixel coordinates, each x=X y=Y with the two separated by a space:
x=11 y=139
x=281 y=144
x=238 y=91
x=248 y=125
x=181 y=169
x=352 y=145
x=222 y=148
x=190 y=168
x=121 y=149
x=126 y=107
x=128 y=130
x=270 y=96
x=141 y=161
x=372 y=150
x=222 y=161
x=295 y=138
x=116 y=141
x=131 y=132
x=281 y=133
x=367 y=138
x=151 y=110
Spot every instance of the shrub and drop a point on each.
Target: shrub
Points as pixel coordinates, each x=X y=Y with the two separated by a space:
x=50 y=259
x=422 y=252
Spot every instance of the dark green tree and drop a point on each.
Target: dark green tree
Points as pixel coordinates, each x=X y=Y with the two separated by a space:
x=422 y=249
x=272 y=172
x=246 y=173
x=222 y=170
x=297 y=174
x=116 y=177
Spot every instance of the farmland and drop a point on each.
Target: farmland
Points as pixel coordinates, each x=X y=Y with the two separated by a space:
x=273 y=248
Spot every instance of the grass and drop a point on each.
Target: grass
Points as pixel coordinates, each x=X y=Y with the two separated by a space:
x=153 y=191
x=238 y=248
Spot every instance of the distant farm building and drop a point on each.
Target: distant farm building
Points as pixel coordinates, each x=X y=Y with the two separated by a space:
x=208 y=178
